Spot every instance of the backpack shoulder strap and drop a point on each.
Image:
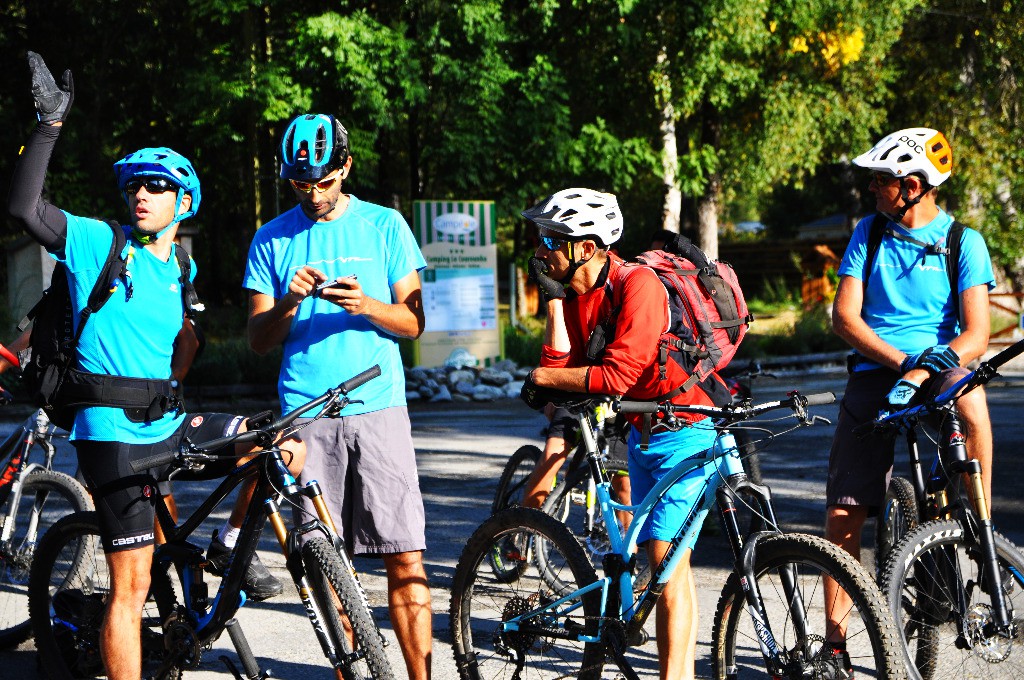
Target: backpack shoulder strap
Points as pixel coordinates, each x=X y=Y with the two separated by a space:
x=113 y=269
x=875 y=233
x=953 y=242
x=189 y=298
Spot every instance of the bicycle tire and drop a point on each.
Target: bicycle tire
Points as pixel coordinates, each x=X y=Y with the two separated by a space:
x=480 y=603
x=70 y=563
x=46 y=496
x=919 y=583
x=897 y=518
x=568 y=504
x=872 y=639
x=332 y=583
x=749 y=456
x=513 y=477
x=510 y=494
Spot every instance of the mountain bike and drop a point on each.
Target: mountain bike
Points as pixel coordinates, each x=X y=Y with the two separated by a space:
x=33 y=496
x=69 y=582
x=563 y=620
x=954 y=585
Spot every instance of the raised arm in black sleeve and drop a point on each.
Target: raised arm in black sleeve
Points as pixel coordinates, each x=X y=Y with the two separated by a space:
x=44 y=222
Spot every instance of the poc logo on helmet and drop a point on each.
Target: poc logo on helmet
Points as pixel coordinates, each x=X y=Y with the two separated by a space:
x=912 y=143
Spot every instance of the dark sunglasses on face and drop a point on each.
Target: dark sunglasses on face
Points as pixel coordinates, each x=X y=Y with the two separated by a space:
x=321 y=186
x=154 y=185
x=552 y=243
x=883 y=178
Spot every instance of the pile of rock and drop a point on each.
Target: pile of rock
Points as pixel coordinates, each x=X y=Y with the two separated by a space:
x=459 y=382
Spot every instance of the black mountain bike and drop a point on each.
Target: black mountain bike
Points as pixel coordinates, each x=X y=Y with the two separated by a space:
x=954 y=585
x=33 y=496
x=69 y=582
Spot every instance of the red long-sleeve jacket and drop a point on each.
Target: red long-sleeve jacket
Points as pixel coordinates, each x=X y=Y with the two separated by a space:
x=629 y=365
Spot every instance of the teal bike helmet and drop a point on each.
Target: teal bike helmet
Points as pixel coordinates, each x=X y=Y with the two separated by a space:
x=314 y=145
x=161 y=162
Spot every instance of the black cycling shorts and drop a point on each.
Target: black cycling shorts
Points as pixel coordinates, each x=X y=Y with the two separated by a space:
x=125 y=500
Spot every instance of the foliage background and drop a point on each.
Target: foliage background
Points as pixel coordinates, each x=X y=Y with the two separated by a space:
x=751 y=109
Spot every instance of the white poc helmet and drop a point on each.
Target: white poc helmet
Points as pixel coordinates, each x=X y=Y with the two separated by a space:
x=579 y=214
x=921 y=150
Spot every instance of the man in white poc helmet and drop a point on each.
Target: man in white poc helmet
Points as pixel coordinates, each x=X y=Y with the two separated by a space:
x=898 y=309
x=584 y=284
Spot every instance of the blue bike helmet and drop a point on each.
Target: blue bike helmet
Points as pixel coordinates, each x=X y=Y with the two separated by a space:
x=314 y=145
x=161 y=162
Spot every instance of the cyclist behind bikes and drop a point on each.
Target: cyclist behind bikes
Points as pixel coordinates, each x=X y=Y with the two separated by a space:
x=131 y=336
x=581 y=278
x=898 y=313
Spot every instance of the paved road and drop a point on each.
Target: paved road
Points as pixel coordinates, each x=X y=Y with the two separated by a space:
x=461 y=450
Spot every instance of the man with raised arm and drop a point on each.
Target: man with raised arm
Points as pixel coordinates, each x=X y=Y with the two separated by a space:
x=129 y=341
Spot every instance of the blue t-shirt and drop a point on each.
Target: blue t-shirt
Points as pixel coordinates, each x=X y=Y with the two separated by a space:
x=326 y=344
x=908 y=302
x=132 y=336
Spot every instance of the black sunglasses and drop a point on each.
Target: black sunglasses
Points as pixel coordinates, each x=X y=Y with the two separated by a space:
x=154 y=185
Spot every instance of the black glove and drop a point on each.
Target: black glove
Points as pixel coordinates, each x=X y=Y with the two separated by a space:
x=533 y=395
x=52 y=101
x=937 y=359
x=548 y=286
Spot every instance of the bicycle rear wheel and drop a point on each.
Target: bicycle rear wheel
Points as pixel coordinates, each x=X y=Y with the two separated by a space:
x=333 y=585
x=897 y=518
x=937 y=591
x=46 y=496
x=511 y=487
x=69 y=587
x=797 y=618
x=481 y=604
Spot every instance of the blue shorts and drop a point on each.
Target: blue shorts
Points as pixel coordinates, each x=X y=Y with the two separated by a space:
x=646 y=468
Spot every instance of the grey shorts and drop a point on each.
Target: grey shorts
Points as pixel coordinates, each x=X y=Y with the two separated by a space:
x=859 y=468
x=366 y=467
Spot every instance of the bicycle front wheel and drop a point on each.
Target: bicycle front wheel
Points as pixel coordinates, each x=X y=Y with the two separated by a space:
x=336 y=591
x=69 y=587
x=46 y=496
x=795 y=614
x=941 y=602
x=545 y=645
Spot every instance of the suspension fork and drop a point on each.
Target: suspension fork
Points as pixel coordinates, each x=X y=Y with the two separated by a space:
x=954 y=454
x=745 y=553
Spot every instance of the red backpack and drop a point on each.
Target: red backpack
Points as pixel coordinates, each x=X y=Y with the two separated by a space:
x=708 y=315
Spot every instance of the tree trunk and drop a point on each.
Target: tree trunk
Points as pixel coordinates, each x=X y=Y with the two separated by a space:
x=672 y=207
x=710 y=200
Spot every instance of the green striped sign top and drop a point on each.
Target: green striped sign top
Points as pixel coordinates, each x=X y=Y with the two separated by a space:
x=467 y=223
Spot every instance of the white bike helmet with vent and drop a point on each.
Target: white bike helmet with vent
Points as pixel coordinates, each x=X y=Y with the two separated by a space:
x=914 y=150
x=579 y=214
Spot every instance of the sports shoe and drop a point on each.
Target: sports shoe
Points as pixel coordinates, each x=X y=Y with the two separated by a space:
x=842 y=659
x=259 y=584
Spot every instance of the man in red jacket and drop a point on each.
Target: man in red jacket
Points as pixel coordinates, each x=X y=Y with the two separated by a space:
x=586 y=286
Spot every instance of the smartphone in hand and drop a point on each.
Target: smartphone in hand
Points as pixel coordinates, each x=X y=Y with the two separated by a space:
x=332 y=283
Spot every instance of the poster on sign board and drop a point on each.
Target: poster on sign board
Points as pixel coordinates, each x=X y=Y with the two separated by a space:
x=460 y=283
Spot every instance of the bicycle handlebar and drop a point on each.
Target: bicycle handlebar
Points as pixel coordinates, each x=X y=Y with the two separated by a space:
x=264 y=435
x=10 y=357
x=982 y=375
x=732 y=412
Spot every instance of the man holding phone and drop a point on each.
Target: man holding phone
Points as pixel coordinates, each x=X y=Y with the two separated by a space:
x=336 y=281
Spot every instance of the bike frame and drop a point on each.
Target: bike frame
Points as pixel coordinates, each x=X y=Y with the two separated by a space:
x=275 y=483
x=16 y=448
x=616 y=588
